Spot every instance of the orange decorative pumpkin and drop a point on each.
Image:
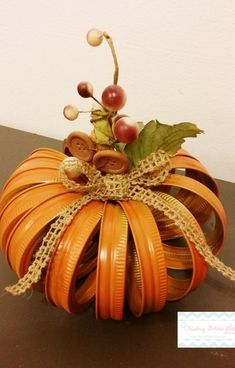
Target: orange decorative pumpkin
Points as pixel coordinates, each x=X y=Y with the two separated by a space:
x=110 y=250
x=122 y=219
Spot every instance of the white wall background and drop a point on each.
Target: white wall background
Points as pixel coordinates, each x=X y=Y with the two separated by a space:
x=177 y=63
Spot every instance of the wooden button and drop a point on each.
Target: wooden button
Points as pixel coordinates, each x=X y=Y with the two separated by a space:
x=80 y=145
x=111 y=162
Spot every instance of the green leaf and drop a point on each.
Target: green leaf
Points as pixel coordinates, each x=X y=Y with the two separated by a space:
x=120 y=147
x=157 y=136
x=102 y=128
x=140 y=125
x=101 y=138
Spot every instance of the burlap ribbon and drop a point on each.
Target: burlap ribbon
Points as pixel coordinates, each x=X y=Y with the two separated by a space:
x=135 y=185
x=148 y=173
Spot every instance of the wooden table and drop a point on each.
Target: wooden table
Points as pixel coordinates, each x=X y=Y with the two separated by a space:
x=34 y=334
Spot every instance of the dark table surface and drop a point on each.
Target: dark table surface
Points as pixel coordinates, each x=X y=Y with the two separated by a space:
x=35 y=334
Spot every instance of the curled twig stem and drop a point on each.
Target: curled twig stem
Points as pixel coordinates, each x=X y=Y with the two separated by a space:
x=111 y=45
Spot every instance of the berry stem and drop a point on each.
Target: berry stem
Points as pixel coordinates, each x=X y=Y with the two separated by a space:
x=95 y=99
x=111 y=45
x=86 y=111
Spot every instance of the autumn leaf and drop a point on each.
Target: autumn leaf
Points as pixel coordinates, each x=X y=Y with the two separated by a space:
x=158 y=136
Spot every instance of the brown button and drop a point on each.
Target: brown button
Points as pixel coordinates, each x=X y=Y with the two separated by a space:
x=80 y=145
x=111 y=162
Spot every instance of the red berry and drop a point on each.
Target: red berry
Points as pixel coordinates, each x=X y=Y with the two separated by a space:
x=85 y=89
x=113 y=97
x=117 y=117
x=125 y=130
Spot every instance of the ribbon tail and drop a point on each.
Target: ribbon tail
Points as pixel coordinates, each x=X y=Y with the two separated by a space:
x=43 y=255
x=183 y=218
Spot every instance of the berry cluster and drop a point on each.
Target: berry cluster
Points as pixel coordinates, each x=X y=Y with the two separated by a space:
x=123 y=128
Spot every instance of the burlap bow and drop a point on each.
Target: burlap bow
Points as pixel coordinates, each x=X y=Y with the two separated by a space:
x=137 y=185
x=149 y=172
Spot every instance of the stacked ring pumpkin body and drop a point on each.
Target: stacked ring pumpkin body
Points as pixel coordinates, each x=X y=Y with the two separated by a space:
x=111 y=251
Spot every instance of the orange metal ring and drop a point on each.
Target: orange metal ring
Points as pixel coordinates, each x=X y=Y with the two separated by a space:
x=179 y=288
x=147 y=278
x=111 y=265
x=36 y=162
x=209 y=196
x=22 y=203
x=29 y=230
x=48 y=152
x=25 y=180
x=63 y=270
